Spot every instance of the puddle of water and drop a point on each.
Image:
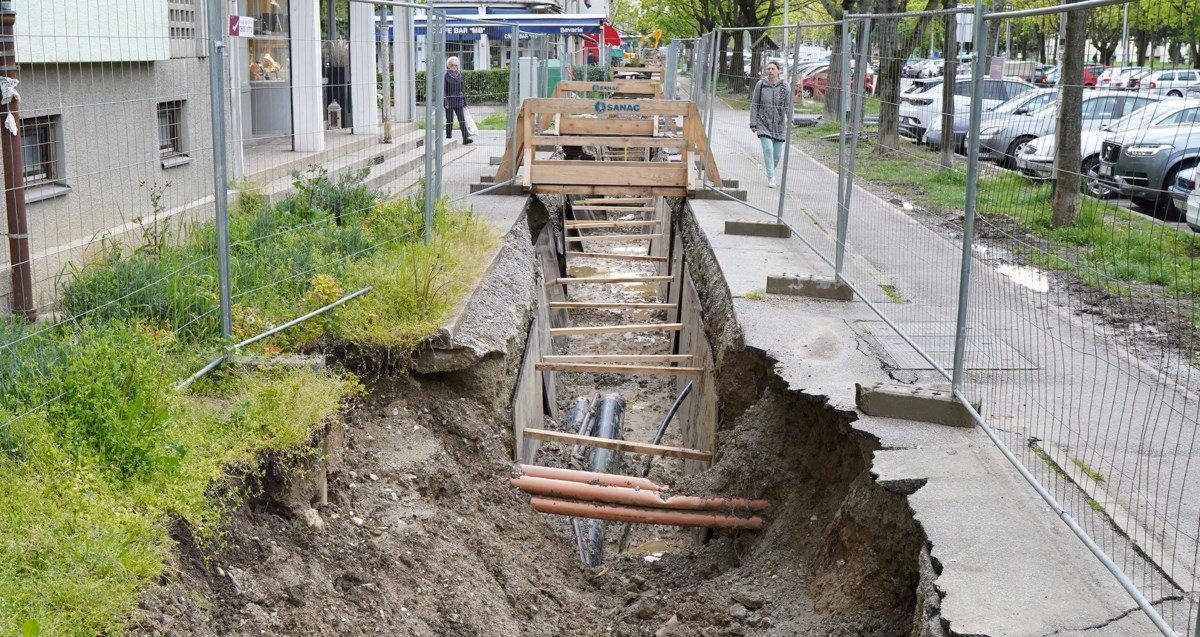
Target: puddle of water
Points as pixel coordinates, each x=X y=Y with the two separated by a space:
x=586 y=270
x=628 y=249
x=645 y=289
x=1031 y=278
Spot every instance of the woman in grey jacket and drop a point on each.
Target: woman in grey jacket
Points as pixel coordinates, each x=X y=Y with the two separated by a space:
x=770 y=107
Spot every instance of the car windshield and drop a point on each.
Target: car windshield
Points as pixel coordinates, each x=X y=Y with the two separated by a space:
x=921 y=87
x=1142 y=118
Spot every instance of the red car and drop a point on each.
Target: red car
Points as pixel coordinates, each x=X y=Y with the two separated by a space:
x=1091 y=73
x=814 y=84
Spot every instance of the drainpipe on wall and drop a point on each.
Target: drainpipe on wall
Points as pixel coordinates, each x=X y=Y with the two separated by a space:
x=14 y=174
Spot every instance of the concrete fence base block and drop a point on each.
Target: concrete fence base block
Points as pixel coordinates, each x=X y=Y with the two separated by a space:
x=810 y=286
x=740 y=195
x=510 y=189
x=758 y=229
x=908 y=402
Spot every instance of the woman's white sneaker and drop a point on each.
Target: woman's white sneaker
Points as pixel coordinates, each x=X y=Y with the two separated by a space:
x=771 y=183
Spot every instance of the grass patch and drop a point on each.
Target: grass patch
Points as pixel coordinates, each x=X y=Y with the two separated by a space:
x=94 y=480
x=100 y=454
x=1087 y=470
x=494 y=121
x=1095 y=506
x=892 y=293
x=756 y=295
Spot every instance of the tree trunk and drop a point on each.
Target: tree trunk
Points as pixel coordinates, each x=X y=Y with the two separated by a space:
x=950 y=54
x=888 y=90
x=833 y=86
x=1141 y=40
x=1070 y=122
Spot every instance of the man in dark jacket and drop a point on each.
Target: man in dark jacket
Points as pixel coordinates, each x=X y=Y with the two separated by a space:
x=456 y=100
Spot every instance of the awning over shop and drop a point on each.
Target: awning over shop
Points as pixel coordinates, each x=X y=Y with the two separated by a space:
x=471 y=27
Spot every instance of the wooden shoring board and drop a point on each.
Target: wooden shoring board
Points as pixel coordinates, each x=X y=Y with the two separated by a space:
x=596 y=237
x=553 y=173
x=616 y=257
x=614 y=141
x=614 y=358
x=568 y=126
x=613 y=208
x=619 y=445
x=693 y=131
x=514 y=148
x=570 y=106
x=616 y=329
x=639 y=88
x=576 y=280
x=613 y=305
x=616 y=368
x=580 y=189
x=618 y=201
x=582 y=225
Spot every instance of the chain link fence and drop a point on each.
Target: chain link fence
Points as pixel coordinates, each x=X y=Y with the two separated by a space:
x=1015 y=216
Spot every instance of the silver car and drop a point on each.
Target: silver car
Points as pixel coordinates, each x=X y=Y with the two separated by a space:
x=1004 y=141
x=1142 y=163
x=1036 y=161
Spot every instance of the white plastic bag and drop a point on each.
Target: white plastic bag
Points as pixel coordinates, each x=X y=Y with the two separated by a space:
x=472 y=129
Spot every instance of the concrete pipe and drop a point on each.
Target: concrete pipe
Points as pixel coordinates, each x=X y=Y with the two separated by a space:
x=633 y=497
x=589 y=477
x=666 y=517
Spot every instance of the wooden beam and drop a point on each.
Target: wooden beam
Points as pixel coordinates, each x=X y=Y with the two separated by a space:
x=613 y=358
x=568 y=305
x=619 y=445
x=616 y=329
x=631 y=237
x=613 y=208
x=618 y=257
x=651 y=174
x=616 y=200
x=620 y=141
x=574 y=280
x=593 y=126
x=571 y=106
x=616 y=223
x=581 y=189
x=645 y=370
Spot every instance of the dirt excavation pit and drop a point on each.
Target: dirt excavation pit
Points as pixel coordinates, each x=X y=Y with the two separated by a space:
x=420 y=533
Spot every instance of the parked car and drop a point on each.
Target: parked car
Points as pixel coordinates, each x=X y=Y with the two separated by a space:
x=1041 y=75
x=1092 y=73
x=1172 y=83
x=1192 y=216
x=1037 y=160
x=1116 y=76
x=932 y=68
x=814 y=84
x=1003 y=141
x=1182 y=188
x=912 y=68
x=1143 y=162
x=1024 y=103
x=1134 y=80
x=922 y=102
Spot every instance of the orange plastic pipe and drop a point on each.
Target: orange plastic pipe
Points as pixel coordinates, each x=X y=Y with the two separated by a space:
x=634 y=497
x=572 y=475
x=619 y=513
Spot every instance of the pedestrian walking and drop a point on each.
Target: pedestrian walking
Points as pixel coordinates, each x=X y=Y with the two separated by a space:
x=456 y=100
x=770 y=110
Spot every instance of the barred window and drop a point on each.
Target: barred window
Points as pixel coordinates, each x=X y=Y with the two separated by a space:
x=170 y=129
x=40 y=150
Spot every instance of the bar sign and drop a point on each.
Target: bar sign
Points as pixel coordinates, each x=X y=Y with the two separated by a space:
x=241 y=26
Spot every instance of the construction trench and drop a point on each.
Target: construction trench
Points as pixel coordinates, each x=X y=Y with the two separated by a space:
x=588 y=448
x=412 y=525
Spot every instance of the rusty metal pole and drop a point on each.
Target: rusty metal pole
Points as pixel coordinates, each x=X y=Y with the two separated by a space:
x=14 y=177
